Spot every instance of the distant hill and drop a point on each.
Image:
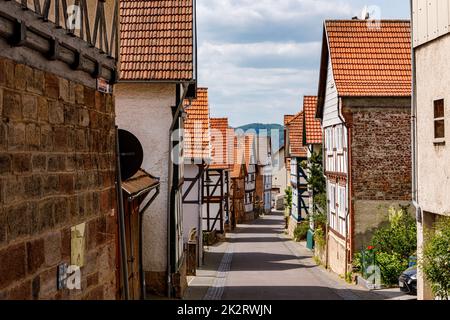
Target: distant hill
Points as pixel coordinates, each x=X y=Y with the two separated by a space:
x=257 y=127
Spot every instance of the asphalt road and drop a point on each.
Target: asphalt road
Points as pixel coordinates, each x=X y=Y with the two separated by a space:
x=258 y=262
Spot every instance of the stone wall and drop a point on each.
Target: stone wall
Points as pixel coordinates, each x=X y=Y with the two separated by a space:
x=380 y=162
x=381 y=153
x=56 y=171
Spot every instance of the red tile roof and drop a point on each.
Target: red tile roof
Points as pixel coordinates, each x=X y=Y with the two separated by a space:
x=219 y=143
x=312 y=125
x=287 y=118
x=295 y=131
x=370 y=61
x=196 y=127
x=156 y=40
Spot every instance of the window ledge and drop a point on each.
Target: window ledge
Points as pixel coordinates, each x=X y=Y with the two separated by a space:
x=439 y=142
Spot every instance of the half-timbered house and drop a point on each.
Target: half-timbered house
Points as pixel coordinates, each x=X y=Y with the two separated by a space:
x=248 y=144
x=297 y=155
x=238 y=173
x=312 y=139
x=263 y=181
x=364 y=107
x=197 y=156
x=217 y=192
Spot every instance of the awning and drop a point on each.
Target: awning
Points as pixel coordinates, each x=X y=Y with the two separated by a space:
x=139 y=184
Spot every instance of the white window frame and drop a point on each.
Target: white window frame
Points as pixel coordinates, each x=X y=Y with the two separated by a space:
x=339 y=139
x=342 y=203
x=329 y=140
x=332 y=205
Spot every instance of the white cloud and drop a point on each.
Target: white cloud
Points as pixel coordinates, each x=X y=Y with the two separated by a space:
x=244 y=13
x=259 y=57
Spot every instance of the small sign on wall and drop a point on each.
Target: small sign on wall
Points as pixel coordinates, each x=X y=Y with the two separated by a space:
x=103 y=86
x=78 y=245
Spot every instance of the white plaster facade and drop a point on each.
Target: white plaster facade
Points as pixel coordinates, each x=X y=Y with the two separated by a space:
x=144 y=109
x=433 y=156
x=431 y=42
x=267 y=182
x=279 y=173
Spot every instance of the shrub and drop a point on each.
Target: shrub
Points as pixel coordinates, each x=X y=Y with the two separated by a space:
x=399 y=237
x=393 y=244
x=436 y=259
x=320 y=220
x=301 y=231
x=357 y=262
x=319 y=237
x=288 y=198
x=392 y=265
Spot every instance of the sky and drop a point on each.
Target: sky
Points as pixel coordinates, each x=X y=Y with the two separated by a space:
x=259 y=57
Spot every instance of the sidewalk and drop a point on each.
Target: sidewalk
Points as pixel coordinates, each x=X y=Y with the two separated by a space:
x=207 y=274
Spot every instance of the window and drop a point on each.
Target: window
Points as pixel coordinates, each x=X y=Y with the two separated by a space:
x=439 y=122
x=342 y=202
x=329 y=140
x=339 y=139
x=332 y=198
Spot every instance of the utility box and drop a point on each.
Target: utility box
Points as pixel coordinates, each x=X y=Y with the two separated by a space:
x=310 y=239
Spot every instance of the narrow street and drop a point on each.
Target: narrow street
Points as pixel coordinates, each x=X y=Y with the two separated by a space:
x=258 y=262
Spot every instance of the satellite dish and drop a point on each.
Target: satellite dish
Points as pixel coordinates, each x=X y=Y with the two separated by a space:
x=131 y=154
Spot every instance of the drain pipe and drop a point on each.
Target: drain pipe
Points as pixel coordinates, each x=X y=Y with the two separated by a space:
x=415 y=195
x=123 y=244
x=176 y=115
x=348 y=190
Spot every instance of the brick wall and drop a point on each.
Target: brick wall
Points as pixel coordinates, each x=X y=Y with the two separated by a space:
x=56 y=171
x=381 y=153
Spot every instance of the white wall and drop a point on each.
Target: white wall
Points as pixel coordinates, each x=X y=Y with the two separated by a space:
x=191 y=212
x=330 y=109
x=279 y=172
x=433 y=82
x=431 y=19
x=145 y=111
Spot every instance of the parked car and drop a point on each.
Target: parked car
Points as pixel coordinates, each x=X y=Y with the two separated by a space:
x=408 y=281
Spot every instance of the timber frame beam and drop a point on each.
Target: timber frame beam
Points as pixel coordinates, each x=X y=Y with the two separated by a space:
x=27 y=29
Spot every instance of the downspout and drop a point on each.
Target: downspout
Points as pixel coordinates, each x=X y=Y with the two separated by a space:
x=415 y=195
x=200 y=216
x=122 y=243
x=349 y=213
x=324 y=156
x=348 y=251
x=179 y=104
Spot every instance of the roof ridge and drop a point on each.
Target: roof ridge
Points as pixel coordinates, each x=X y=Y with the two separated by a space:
x=295 y=117
x=365 y=20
